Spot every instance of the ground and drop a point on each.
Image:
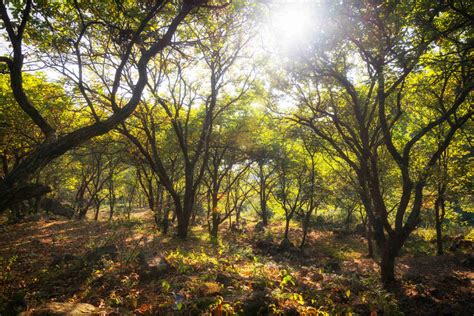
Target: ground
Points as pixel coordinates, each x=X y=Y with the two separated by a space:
x=127 y=267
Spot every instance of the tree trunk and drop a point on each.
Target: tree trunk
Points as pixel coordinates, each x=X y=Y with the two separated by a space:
x=439 y=232
x=439 y=238
x=348 y=219
x=215 y=226
x=155 y=201
x=111 y=208
x=12 y=187
x=303 y=240
x=82 y=213
x=287 y=226
x=165 y=224
x=96 y=216
x=183 y=223
x=237 y=216
x=263 y=206
x=193 y=217
x=387 y=268
x=165 y=206
x=16 y=212
x=263 y=197
x=370 y=244
x=186 y=211
x=439 y=217
x=184 y=216
x=306 y=221
x=215 y=217
x=37 y=204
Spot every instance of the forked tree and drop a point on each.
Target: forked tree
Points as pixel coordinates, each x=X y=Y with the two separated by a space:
x=94 y=45
x=360 y=105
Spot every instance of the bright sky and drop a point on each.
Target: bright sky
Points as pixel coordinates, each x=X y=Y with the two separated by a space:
x=284 y=29
x=291 y=23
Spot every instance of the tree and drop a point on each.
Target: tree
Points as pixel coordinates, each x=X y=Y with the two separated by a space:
x=263 y=153
x=18 y=134
x=315 y=191
x=291 y=183
x=93 y=167
x=449 y=185
x=44 y=26
x=227 y=164
x=361 y=118
x=190 y=110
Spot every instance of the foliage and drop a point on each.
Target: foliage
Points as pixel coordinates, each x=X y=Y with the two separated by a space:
x=278 y=166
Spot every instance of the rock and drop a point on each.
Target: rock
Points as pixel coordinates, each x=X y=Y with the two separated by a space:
x=259 y=285
x=56 y=207
x=110 y=251
x=468 y=262
x=224 y=279
x=208 y=289
x=152 y=266
x=257 y=304
x=265 y=243
x=436 y=293
x=287 y=245
x=317 y=277
x=141 y=259
x=63 y=259
x=460 y=243
x=63 y=309
x=333 y=266
x=158 y=266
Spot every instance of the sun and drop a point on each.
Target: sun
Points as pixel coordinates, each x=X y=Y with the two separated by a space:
x=291 y=24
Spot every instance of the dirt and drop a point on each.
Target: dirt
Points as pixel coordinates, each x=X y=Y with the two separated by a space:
x=98 y=263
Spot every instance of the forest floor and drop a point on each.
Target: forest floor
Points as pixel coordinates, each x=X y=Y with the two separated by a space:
x=127 y=267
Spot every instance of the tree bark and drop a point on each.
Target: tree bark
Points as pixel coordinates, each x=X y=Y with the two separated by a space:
x=370 y=244
x=96 y=216
x=183 y=213
x=439 y=217
x=215 y=226
x=183 y=223
x=287 y=226
x=387 y=268
x=263 y=196
x=306 y=222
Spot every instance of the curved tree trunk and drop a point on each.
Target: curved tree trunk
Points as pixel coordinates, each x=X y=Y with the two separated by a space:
x=13 y=187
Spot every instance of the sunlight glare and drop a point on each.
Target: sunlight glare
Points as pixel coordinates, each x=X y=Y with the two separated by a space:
x=292 y=24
